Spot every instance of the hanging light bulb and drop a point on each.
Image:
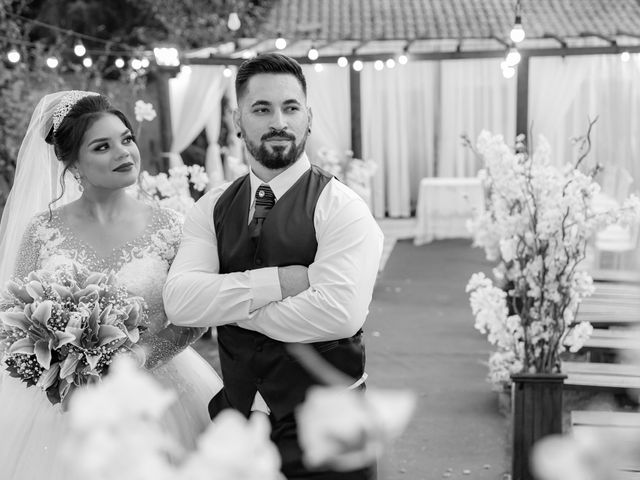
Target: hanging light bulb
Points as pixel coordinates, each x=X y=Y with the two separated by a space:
x=390 y=63
x=318 y=67
x=234 y=21
x=513 y=57
x=136 y=64
x=625 y=56
x=517 y=32
x=145 y=62
x=343 y=62
x=13 y=56
x=507 y=70
x=313 y=53
x=358 y=65
x=79 y=49
x=227 y=72
x=119 y=62
x=378 y=65
x=52 y=62
x=87 y=62
x=403 y=59
x=281 y=43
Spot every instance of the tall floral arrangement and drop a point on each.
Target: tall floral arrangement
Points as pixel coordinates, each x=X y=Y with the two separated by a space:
x=354 y=172
x=536 y=224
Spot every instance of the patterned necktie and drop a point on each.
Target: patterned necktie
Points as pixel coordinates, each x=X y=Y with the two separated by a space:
x=265 y=199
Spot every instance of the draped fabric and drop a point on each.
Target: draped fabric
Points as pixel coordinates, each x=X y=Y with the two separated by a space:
x=565 y=93
x=328 y=96
x=195 y=96
x=413 y=116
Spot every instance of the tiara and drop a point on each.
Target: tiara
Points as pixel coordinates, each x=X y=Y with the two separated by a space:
x=66 y=104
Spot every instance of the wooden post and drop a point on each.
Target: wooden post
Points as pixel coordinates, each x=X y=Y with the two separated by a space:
x=162 y=76
x=522 y=97
x=356 y=119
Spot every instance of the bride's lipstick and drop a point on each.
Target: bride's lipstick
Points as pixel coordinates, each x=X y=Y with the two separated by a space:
x=125 y=167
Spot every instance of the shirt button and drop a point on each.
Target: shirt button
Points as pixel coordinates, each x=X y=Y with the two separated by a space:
x=261 y=193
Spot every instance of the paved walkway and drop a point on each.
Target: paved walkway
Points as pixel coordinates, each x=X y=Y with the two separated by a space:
x=420 y=336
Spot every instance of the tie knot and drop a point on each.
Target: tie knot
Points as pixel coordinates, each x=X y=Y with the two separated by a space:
x=265 y=197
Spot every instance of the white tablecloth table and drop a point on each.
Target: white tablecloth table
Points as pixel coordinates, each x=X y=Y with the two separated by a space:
x=444 y=206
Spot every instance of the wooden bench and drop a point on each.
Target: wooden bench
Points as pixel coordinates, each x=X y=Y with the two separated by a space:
x=614 y=339
x=622 y=428
x=601 y=375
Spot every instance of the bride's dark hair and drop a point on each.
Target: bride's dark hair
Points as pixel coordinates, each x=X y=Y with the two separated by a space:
x=66 y=140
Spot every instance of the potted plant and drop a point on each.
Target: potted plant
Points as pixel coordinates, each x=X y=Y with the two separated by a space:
x=536 y=224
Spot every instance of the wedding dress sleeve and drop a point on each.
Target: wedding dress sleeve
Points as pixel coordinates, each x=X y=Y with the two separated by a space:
x=29 y=251
x=161 y=346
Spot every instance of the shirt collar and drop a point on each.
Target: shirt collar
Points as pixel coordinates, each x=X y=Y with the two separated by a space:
x=284 y=181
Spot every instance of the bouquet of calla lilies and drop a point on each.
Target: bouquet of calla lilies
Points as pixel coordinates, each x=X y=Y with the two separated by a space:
x=61 y=330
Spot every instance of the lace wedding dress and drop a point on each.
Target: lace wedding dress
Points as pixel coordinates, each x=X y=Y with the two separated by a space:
x=32 y=430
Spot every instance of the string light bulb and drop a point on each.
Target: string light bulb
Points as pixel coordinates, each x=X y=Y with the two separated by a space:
x=390 y=63
x=226 y=72
x=358 y=65
x=378 y=65
x=313 y=53
x=507 y=70
x=52 y=62
x=234 y=22
x=79 y=49
x=13 y=56
x=281 y=43
x=403 y=59
x=145 y=62
x=119 y=62
x=343 y=62
x=136 y=64
x=318 y=67
x=87 y=62
x=513 y=57
x=517 y=32
x=625 y=56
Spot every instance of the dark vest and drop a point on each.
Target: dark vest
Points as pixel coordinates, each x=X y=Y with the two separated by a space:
x=249 y=360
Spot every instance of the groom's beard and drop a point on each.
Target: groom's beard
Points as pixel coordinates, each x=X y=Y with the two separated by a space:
x=276 y=157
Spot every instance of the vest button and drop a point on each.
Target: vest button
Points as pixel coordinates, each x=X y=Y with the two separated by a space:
x=258 y=261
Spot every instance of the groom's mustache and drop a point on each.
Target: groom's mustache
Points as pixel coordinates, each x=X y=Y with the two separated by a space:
x=278 y=134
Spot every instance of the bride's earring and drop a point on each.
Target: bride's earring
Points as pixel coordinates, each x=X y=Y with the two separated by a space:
x=78 y=178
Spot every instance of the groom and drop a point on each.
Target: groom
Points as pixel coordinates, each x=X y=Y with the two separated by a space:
x=285 y=254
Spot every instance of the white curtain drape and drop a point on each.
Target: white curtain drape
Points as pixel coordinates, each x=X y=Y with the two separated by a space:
x=195 y=96
x=566 y=93
x=398 y=111
x=475 y=96
x=329 y=98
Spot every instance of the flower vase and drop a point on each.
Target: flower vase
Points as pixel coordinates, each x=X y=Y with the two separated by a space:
x=537 y=412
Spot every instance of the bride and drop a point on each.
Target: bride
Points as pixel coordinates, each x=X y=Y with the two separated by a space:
x=69 y=205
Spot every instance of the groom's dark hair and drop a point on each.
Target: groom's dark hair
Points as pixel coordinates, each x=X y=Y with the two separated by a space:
x=275 y=63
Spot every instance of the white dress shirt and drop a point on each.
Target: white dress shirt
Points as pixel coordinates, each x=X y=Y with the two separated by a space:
x=341 y=276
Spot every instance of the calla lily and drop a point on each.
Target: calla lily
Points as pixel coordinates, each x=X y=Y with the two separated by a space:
x=92 y=360
x=42 y=313
x=63 y=292
x=109 y=333
x=24 y=345
x=35 y=290
x=69 y=364
x=49 y=377
x=42 y=350
x=15 y=320
x=19 y=291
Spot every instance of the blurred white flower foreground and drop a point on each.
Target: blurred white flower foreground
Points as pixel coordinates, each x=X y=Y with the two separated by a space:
x=115 y=434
